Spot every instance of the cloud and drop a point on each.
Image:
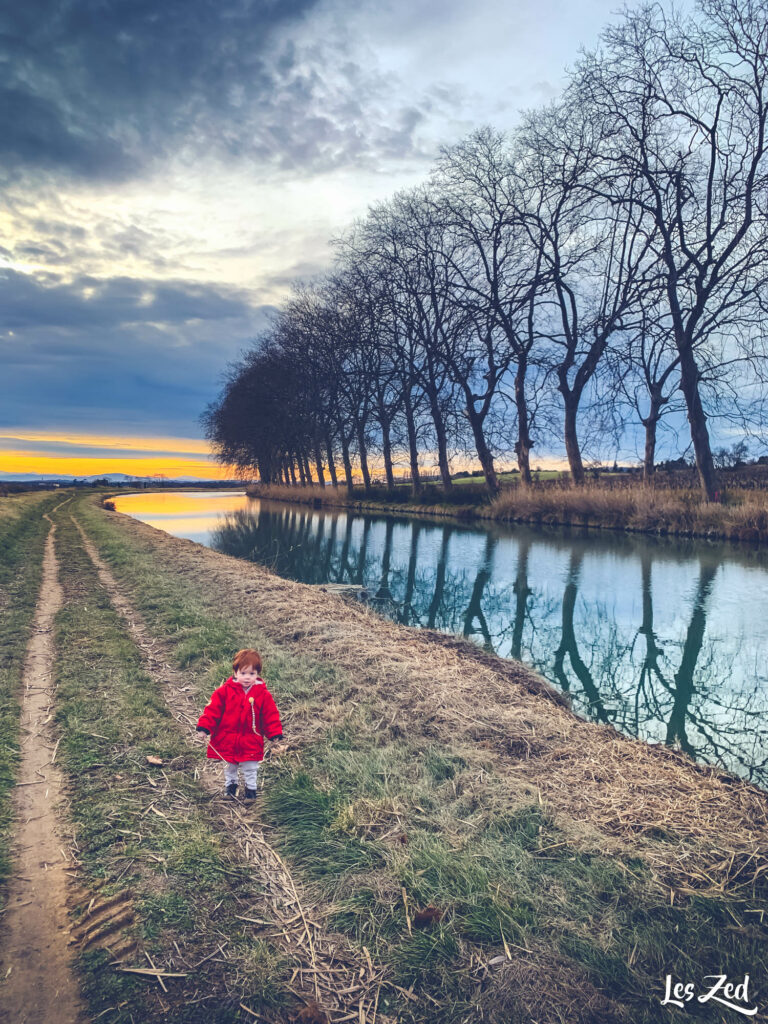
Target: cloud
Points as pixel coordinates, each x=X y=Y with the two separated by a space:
x=118 y=354
x=103 y=90
x=96 y=87
x=49 y=442
x=116 y=302
x=170 y=168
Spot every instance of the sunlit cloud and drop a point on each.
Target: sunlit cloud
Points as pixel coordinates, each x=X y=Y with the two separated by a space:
x=165 y=445
x=51 y=454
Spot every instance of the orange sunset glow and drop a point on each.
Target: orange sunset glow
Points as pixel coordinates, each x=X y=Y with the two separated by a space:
x=83 y=455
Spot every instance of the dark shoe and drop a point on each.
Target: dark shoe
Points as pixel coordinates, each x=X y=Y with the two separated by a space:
x=231 y=790
x=250 y=794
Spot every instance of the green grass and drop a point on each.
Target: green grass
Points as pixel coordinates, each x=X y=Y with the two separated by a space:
x=158 y=843
x=22 y=540
x=362 y=814
x=306 y=819
x=510 y=477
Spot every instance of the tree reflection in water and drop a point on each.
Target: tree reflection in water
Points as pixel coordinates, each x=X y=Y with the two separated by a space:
x=569 y=646
x=584 y=611
x=474 y=613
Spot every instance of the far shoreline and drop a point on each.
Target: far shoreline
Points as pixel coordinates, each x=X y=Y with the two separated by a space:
x=741 y=516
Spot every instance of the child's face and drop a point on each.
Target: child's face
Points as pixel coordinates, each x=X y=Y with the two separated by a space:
x=246 y=675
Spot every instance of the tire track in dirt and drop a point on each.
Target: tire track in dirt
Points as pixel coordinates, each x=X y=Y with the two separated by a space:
x=327 y=968
x=35 y=957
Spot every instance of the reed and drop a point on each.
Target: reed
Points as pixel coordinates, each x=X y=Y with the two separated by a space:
x=668 y=508
x=740 y=514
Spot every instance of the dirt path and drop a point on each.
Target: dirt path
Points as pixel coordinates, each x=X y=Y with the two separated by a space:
x=327 y=968
x=35 y=959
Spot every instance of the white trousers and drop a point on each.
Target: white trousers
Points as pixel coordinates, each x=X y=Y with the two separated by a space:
x=250 y=771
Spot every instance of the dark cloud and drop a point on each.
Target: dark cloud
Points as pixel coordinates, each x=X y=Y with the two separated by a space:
x=136 y=354
x=100 y=89
x=59 y=228
x=301 y=271
x=95 y=86
x=39 y=131
x=95 y=302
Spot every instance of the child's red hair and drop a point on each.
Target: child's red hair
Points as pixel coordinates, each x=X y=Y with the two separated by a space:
x=248 y=656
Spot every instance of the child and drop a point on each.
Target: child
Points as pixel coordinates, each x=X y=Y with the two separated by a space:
x=240 y=713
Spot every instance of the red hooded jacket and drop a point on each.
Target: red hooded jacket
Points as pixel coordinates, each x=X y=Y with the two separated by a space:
x=238 y=719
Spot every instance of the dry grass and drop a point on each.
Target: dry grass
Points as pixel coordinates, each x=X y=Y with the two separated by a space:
x=323 y=964
x=626 y=794
x=469 y=499
x=618 y=504
x=740 y=514
x=553 y=848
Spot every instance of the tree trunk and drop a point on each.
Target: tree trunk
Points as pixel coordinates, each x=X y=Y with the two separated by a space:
x=331 y=465
x=440 y=437
x=387 y=450
x=650 y=422
x=301 y=471
x=319 y=465
x=649 y=457
x=572 y=449
x=347 y=463
x=291 y=469
x=689 y=385
x=363 y=453
x=307 y=469
x=413 y=451
x=524 y=443
x=483 y=451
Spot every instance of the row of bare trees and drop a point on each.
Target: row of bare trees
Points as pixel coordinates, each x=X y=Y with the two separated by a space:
x=606 y=260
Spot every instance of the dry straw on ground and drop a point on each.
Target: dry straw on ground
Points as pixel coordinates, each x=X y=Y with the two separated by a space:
x=603 y=789
x=326 y=969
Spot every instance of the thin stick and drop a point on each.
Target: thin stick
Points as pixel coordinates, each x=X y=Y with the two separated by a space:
x=162 y=983
x=405 y=904
x=151 y=974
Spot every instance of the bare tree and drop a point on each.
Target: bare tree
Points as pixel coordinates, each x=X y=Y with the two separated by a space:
x=645 y=369
x=597 y=254
x=459 y=341
x=685 y=103
x=390 y=237
x=499 y=270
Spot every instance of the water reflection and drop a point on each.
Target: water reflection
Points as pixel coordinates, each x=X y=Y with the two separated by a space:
x=626 y=625
x=665 y=640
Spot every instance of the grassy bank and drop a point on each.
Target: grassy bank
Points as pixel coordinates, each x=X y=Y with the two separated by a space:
x=22 y=540
x=617 y=504
x=148 y=839
x=483 y=845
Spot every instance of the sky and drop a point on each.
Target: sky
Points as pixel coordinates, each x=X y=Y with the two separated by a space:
x=169 y=168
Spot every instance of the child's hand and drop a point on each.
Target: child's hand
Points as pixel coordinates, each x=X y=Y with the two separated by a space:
x=278 y=748
x=203 y=737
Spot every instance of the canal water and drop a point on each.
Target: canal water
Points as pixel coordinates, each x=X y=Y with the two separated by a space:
x=664 y=639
